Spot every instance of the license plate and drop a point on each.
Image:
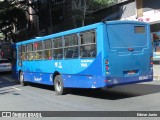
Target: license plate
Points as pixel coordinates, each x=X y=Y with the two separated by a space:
x=131 y=72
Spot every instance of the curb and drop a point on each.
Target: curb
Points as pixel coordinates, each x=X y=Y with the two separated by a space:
x=156 y=72
x=157 y=78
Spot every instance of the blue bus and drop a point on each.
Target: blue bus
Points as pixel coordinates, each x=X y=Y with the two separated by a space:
x=105 y=54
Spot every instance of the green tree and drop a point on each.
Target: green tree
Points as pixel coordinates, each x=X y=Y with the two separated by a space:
x=82 y=7
x=42 y=9
x=12 y=19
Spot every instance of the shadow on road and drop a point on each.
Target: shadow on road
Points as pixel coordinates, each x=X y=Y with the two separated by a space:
x=6 y=80
x=6 y=84
x=119 y=92
x=5 y=73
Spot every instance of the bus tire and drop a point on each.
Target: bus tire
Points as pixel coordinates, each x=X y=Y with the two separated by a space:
x=21 y=79
x=59 y=86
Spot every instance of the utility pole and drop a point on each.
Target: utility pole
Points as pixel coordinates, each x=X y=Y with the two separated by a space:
x=139 y=4
x=50 y=15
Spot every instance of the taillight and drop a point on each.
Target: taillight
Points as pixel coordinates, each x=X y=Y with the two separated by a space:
x=151 y=63
x=106 y=67
x=107 y=62
x=151 y=60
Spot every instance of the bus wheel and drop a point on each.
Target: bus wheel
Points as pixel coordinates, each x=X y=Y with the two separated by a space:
x=21 y=79
x=58 y=85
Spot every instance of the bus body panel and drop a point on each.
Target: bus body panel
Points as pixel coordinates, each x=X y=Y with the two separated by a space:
x=127 y=64
x=83 y=77
x=42 y=78
x=130 y=50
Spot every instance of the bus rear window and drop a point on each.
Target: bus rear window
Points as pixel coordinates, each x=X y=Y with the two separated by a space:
x=127 y=35
x=139 y=29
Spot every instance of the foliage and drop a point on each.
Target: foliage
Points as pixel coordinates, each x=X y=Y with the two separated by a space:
x=13 y=13
x=11 y=18
x=82 y=7
x=100 y=4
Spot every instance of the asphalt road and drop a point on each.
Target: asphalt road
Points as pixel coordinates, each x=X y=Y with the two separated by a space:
x=34 y=97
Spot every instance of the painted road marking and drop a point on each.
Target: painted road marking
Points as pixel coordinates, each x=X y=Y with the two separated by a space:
x=16 y=88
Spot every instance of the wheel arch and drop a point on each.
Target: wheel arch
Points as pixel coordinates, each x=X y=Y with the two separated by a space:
x=54 y=75
x=59 y=84
x=19 y=73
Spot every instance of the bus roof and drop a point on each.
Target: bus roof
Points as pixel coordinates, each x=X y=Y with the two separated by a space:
x=76 y=30
x=55 y=35
x=125 y=22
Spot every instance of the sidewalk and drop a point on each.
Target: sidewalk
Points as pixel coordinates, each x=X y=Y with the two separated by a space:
x=156 y=72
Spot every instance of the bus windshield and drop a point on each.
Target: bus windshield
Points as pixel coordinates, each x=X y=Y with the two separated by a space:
x=127 y=35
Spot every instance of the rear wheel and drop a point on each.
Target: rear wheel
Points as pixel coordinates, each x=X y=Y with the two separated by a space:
x=59 y=86
x=21 y=79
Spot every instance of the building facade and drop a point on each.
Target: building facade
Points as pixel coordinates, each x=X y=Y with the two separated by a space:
x=146 y=11
x=138 y=10
x=59 y=14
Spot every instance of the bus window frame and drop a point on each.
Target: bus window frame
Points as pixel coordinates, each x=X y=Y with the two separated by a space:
x=89 y=44
x=58 y=48
x=29 y=52
x=19 y=53
x=62 y=47
x=36 y=51
x=69 y=47
x=23 y=58
x=45 y=49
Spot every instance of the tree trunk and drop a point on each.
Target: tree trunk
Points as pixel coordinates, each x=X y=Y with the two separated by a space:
x=84 y=12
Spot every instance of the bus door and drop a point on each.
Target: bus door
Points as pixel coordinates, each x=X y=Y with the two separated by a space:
x=130 y=49
x=14 y=61
x=19 y=57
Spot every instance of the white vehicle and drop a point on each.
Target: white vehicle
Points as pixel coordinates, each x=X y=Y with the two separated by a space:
x=5 y=65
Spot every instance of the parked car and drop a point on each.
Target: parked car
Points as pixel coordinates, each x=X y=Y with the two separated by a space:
x=5 y=65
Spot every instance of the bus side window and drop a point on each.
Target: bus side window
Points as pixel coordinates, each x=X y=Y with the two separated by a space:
x=23 y=56
x=57 y=48
x=47 y=54
x=29 y=51
x=88 y=44
x=36 y=56
x=59 y=56
x=68 y=53
x=47 y=49
x=19 y=53
x=71 y=46
x=38 y=51
x=93 y=54
x=30 y=56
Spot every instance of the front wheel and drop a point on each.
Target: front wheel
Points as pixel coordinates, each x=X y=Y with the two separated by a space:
x=21 y=79
x=59 y=86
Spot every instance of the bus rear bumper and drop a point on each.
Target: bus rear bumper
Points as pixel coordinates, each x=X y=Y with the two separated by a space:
x=115 y=81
